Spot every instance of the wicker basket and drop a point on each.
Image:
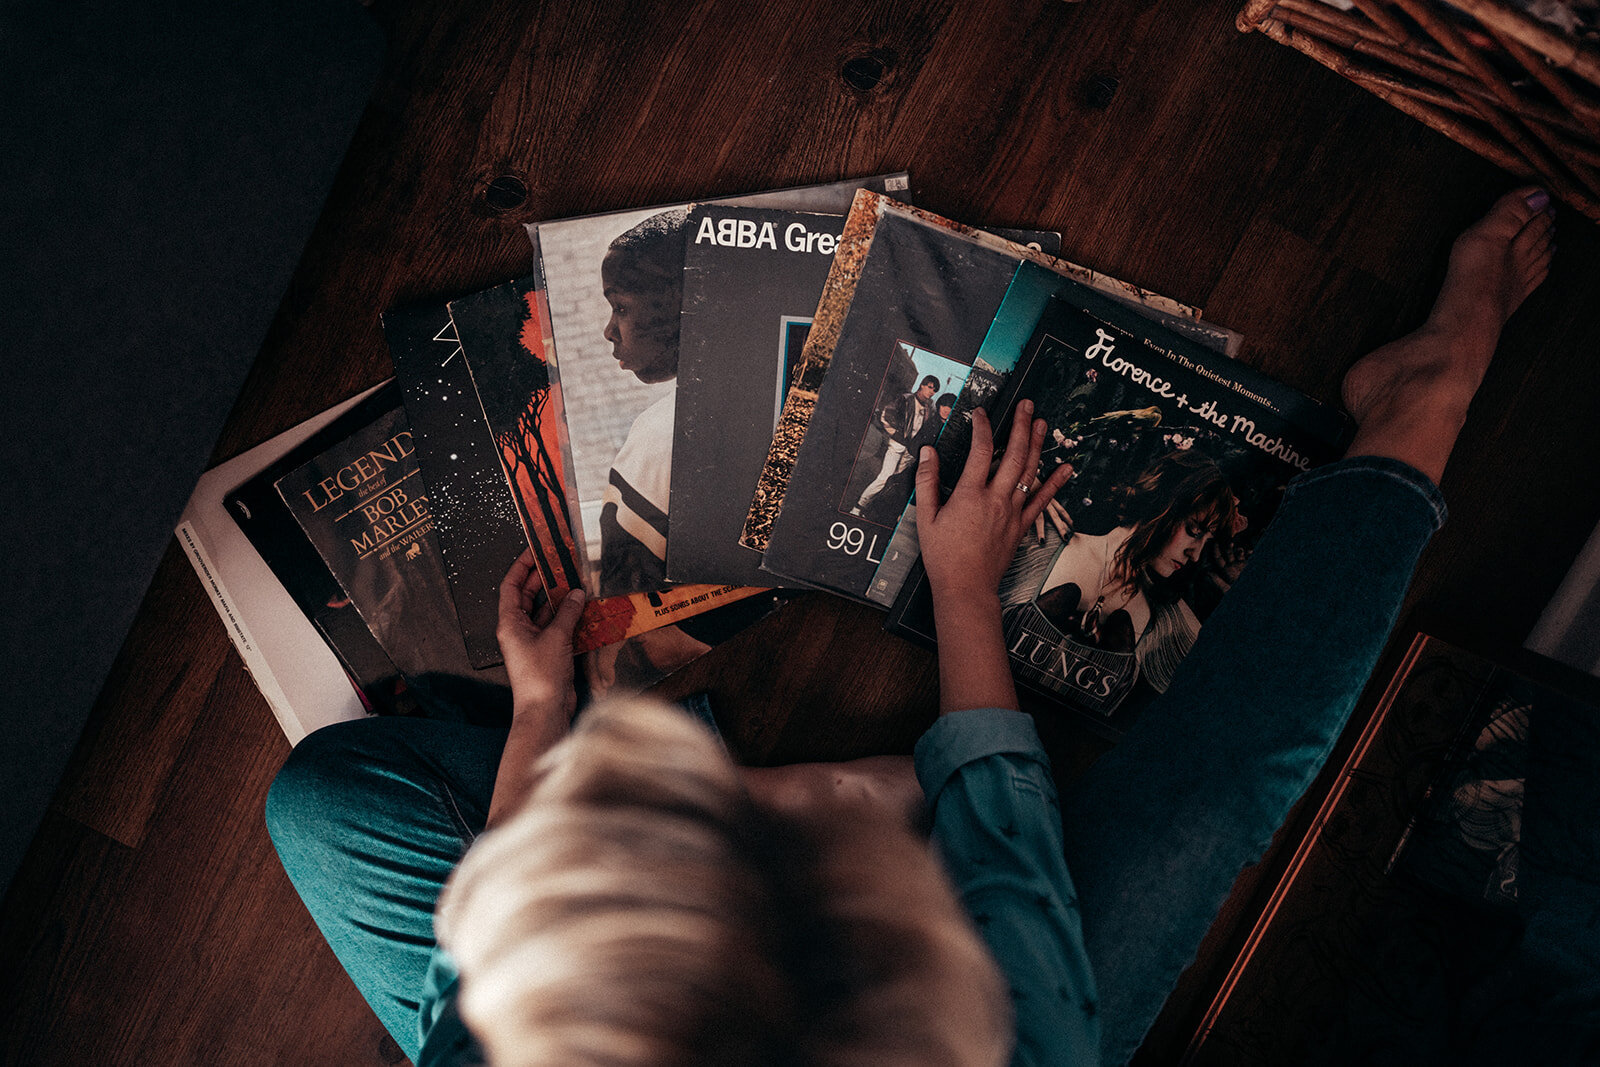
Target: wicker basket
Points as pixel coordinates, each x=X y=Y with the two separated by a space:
x=1516 y=91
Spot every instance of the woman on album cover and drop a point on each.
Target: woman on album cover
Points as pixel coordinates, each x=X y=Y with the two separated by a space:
x=1101 y=589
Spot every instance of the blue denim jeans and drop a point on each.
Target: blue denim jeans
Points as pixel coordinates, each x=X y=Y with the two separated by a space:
x=1159 y=828
x=370 y=817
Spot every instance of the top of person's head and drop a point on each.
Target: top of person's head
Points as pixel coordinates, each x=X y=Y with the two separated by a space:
x=946 y=400
x=650 y=255
x=640 y=909
x=927 y=381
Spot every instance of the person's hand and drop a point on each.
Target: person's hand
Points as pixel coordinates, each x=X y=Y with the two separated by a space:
x=968 y=541
x=536 y=642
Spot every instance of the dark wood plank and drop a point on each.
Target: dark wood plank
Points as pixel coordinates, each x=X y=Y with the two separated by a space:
x=154 y=953
x=63 y=893
x=152 y=923
x=171 y=663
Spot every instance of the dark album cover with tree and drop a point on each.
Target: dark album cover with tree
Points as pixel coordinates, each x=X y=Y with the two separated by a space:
x=505 y=340
x=504 y=334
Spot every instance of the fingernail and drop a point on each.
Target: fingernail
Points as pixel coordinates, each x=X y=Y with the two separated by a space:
x=927 y=452
x=1027 y=405
x=576 y=595
x=1538 y=200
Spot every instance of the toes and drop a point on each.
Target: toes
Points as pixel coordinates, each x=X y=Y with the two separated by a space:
x=1534 y=240
x=1514 y=211
x=1533 y=265
x=1542 y=222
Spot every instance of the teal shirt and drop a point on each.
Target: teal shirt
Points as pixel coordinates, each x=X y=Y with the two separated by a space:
x=446 y=1042
x=997 y=825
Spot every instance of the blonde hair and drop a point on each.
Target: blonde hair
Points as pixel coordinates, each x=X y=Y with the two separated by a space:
x=640 y=909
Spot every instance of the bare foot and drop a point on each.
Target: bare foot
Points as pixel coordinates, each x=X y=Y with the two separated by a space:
x=1410 y=397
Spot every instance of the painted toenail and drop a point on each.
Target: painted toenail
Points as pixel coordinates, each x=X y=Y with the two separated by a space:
x=1538 y=200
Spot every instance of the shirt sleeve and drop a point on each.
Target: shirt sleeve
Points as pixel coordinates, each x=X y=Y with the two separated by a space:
x=997 y=824
x=446 y=1041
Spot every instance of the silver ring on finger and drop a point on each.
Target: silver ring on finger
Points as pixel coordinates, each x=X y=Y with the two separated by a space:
x=1024 y=488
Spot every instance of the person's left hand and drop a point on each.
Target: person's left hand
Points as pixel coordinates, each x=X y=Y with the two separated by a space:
x=968 y=540
x=536 y=642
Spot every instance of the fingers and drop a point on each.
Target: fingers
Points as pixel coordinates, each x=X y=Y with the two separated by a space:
x=543 y=611
x=1058 y=516
x=927 y=485
x=566 y=617
x=975 y=474
x=601 y=668
x=516 y=588
x=1035 y=446
x=1027 y=437
x=1045 y=495
x=517 y=576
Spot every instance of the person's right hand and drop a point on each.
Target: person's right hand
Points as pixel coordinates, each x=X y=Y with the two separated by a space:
x=536 y=643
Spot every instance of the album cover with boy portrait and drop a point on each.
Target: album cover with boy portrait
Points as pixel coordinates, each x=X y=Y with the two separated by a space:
x=614 y=286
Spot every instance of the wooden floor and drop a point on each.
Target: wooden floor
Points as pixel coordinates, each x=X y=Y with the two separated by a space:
x=151 y=923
